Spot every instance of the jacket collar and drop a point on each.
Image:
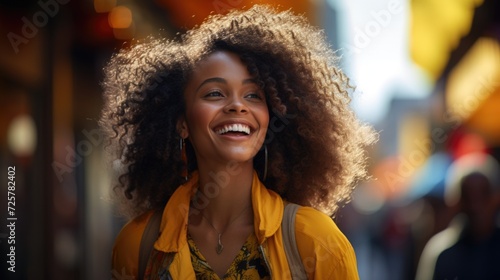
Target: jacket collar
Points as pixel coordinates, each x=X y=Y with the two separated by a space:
x=267 y=209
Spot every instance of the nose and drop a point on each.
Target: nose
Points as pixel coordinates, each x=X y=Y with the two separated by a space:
x=236 y=105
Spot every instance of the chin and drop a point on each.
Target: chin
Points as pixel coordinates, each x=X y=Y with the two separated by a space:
x=240 y=158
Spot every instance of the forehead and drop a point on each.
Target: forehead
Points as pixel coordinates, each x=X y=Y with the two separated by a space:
x=220 y=62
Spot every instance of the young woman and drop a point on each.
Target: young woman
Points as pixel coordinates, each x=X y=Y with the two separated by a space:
x=219 y=130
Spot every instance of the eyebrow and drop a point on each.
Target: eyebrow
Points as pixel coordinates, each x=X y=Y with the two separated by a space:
x=223 y=81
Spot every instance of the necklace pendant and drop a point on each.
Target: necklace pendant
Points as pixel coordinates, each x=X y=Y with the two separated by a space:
x=219 y=247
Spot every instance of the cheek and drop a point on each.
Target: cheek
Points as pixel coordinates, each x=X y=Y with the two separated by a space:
x=198 y=118
x=264 y=119
x=265 y=122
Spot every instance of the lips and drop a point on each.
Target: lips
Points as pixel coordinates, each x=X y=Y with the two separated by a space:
x=233 y=128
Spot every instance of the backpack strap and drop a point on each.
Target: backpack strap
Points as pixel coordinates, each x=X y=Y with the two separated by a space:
x=149 y=236
x=292 y=252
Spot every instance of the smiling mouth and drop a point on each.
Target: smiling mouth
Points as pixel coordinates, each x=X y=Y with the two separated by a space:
x=234 y=129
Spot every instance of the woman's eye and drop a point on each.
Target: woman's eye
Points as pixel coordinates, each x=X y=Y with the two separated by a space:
x=254 y=95
x=214 y=93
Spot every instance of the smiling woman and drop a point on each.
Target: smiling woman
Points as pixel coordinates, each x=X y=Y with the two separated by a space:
x=222 y=103
x=222 y=128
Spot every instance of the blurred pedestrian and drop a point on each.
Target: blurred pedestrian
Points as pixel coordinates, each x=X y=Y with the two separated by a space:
x=470 y=247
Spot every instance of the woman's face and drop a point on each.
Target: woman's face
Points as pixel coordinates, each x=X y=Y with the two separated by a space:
x=226 y=112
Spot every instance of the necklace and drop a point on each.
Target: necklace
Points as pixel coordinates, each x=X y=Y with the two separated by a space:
x=219 y=246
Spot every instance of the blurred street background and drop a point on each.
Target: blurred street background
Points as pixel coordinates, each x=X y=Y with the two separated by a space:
x=427 y=77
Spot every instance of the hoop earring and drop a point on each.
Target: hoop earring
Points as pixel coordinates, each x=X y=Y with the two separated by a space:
x=182 y=146
x=265 y=163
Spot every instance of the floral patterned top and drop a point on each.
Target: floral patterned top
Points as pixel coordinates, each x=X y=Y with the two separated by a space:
x=247 y=265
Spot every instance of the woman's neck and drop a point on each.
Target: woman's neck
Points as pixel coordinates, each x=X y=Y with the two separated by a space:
x=224 y=191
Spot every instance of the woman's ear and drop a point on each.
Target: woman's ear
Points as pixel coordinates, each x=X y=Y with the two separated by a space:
x=182 y=127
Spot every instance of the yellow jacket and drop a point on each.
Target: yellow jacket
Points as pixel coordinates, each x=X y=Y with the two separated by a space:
x=325 y=251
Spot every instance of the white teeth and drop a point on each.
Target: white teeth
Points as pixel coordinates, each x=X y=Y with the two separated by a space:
x=234 y=128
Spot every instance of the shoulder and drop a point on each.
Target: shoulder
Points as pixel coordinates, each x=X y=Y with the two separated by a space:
x=323 y=247
x=436 y=245
x=313 y=224
x=125 y=259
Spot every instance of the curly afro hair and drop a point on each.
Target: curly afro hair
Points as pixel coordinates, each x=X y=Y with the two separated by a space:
x=316 y=144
